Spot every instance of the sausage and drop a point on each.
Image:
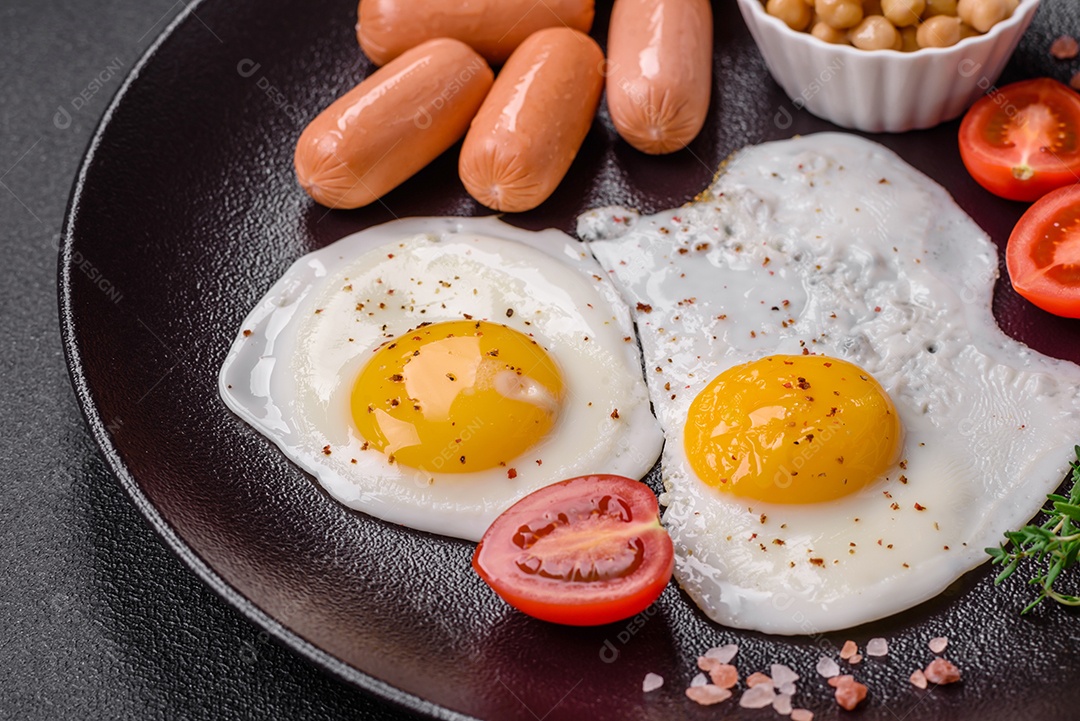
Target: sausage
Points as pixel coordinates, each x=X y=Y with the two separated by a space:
x=533 y=122
x=399 y=119
x=387 y=28
x=659 y=71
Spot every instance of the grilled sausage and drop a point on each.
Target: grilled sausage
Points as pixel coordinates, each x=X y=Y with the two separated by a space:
x=387 y=28
x=392 y=124
x=659 y=71
x=533 y=122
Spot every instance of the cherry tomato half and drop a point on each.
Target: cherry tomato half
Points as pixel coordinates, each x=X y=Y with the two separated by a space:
x=1043 y=255
x=1023 y=141
x=581 y=552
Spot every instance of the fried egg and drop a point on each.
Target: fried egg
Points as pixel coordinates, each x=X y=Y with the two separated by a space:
x=433 y=371
x=847 y=427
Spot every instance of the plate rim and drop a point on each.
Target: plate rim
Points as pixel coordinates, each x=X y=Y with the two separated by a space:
x=75 y=366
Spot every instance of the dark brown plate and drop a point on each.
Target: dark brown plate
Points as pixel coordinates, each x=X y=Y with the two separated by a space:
x=186 y=211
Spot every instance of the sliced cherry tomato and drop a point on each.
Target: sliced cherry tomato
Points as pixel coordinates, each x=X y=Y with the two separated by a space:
x=581 y=552
x=1043 y=255
x=1023 y=141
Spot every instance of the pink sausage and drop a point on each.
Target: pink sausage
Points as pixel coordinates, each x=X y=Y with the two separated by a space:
x=399 y=119
x=533 y=122
x=659 y=71
x=387 y=28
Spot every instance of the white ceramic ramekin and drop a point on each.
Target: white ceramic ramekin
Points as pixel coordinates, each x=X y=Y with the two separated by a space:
x=884 y=90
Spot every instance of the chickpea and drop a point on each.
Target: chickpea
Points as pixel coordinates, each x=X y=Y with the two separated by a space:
x=903 y=13
x=871 y=7
x=826 y=32
x=983 y=14
x=939 y=31
x=794 y=13
x=909 y=39
x=875 y=33
x=939 y=7
x=841 y=14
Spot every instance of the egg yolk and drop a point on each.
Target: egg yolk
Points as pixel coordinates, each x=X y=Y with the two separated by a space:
x=457 y=397
x=792 y=429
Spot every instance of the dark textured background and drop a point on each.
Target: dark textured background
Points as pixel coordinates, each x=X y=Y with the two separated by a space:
x=97 y=619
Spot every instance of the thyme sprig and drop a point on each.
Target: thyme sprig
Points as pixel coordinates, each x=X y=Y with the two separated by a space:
x=1054 y=544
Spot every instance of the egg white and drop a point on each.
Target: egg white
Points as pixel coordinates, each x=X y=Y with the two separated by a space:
x=291 y=368
x=831 y=244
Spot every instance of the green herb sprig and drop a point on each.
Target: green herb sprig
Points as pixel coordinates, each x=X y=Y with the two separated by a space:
x=1055 y=543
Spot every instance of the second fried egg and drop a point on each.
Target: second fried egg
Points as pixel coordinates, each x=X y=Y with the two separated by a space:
x=847 y=427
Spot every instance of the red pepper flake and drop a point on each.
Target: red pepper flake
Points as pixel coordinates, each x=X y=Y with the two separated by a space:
x=920 y=507
x=903 y=479
x=877 y=308
x=615 y=414
x=326 y=450
x=1065 y=48
x=817 y=561
x=895 y=506
x=247 y=333
x=509 y=312
x=539 y=462
x=644 y=308
x=511 y=473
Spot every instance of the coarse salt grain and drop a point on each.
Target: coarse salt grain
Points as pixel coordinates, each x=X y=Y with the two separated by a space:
x=698 y=680
x=787 y=688
x=782 y=704
x=782 y=674
x=708 y=694
x=827 y=667
x=850 y=649
x=877 y=647
x=857 y=658
x=758 y=679
x=724 y=675
x=801 y=714
x=937 y=645
x=849 y=692
x=758 y=696
x=918 y=678
x=941 y=671
x=652 y=682
x=1065 y=48
x=723 y=654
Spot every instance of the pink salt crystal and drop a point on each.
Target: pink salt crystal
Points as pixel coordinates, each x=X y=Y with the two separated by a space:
x=850 y=649
x=724 y=675
x=782 y=674
x=787 y=688
x=699 y=680
x=1065 y=48
x=723 y=654
x=857 y=658
x=918 y=678
x=801 y=714
x=708 y=694
x=941 y=671
x=758 y=696
x=782 y=704
x=877 y=647
x=849 y=693
x=652 y=682
x=827 y=667
x=758 y=678
x=937 y=645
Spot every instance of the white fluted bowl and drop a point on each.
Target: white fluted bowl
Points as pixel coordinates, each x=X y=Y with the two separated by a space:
x=884 y=90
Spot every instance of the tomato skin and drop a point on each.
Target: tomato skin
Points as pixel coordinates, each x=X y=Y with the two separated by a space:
x=1043 y=254
x=1022 y=141
x=603 y=526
